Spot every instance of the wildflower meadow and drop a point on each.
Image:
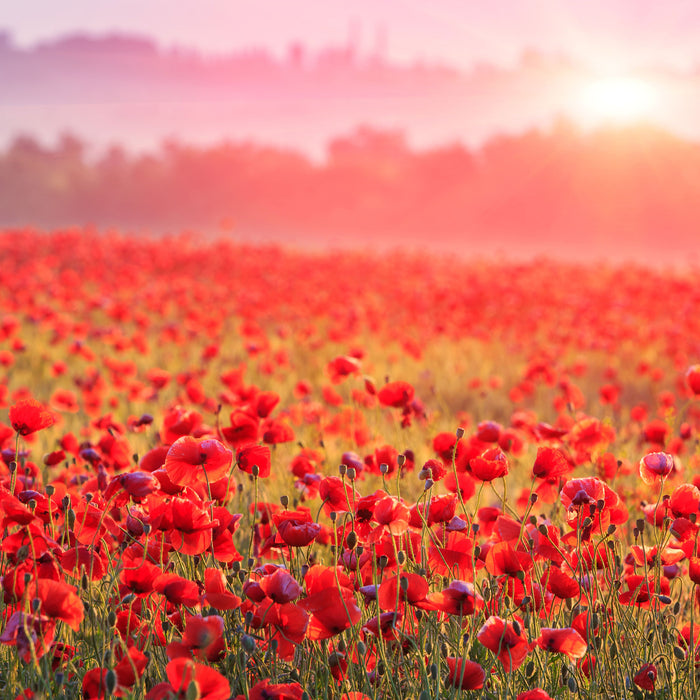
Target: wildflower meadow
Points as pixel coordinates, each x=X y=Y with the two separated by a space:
x=245 y=471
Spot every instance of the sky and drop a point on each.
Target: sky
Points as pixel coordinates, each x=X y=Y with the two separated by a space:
x=608 y=35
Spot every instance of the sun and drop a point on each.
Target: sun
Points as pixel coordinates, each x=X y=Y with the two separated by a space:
x=619 y=99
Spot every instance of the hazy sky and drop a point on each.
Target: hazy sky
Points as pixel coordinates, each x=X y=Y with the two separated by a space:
x=608 y=34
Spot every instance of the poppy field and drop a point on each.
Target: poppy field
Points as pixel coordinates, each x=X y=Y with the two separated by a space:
x=237 y=471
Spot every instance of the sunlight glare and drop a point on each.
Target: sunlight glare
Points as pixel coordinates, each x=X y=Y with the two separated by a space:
x=617 y=99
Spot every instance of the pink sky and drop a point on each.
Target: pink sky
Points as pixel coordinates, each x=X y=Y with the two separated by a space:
x=607 y=34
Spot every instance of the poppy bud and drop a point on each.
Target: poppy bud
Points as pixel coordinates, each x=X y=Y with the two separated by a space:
x=192 y=691
x=110 y=681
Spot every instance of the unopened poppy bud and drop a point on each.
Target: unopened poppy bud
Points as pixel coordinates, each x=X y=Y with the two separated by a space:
x=361 y=648
x=533 y=498
x=12 y=466
x=428 y=484
x=284 y=500
x=433 y=671
x=110 y=681
x=530 y=669
x=84 y=582
x=666 y=600
x=516 y=627
x=255 y=471
x=403 y=582
x=65 y=502
x=70 y=518
x=573 y=685
x=679 y=653
x=542 y=529
x=36 y=604
x=459 y=433
x=128 y=598
x=351 y=539
x=611 y=529
x=693 y=517
x=401 y=556
x=587 y=522
x=111 y=618
x=192 y=691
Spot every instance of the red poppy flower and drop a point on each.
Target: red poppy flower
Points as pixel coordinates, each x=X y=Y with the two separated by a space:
x=58 y=601
x=506 y=640
x=279 y=586
x=392 y=591
x=178 y=590
x=333 y=610
x=342 y=367
x=685 y=500
x=465 y=674
x=296 y=528
x=645 y=678
x=255 y=456
x=130 y=666
x=534 y=694
x=392 y=515
x=243 y=429
x=276 y=432
x=453 y=555
x=28 y=415
x=503 y=559
x=203 y=638
x=559 y=583
x=191 y=526
x=692 y=378
x=562 y=641
x=550 y=463
x=337 y=495
x=191 y=458
x=459 y=598
x=656 y=465
x=264 y=690
x=181 y=672
x=216 y=591
x=491 y=464
x=31 y=634
x=396 y=394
